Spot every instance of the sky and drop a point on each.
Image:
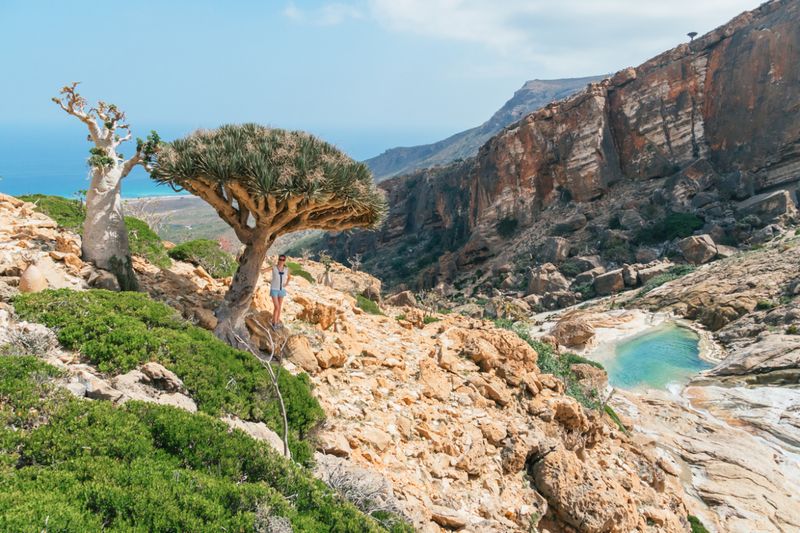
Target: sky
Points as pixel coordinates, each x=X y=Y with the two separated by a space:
x=366 y=75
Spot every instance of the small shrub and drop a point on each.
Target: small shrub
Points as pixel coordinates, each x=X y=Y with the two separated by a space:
x=586 y=289
x=614 y=222
x=66 y=212
x=792 y=330
x=672 y=226
x=296 y=270
x=368 y=305
x=207 y=254
x=429 y=319
x=615 y=418
x=575 y=359
x=764 y=305
x=696 y=524
x=507 y=226
x=675 y=272
x=616 y=249
x=145 y=243
x=571 y=267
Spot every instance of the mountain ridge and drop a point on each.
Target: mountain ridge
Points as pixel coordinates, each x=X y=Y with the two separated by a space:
x=533 y=95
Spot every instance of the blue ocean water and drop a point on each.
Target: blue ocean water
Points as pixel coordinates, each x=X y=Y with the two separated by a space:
x=656 y=358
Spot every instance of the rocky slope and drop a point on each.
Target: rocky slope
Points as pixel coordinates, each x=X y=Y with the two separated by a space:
x=533 y=95
x=708 y=128
x=733 y=434
x=452 y=416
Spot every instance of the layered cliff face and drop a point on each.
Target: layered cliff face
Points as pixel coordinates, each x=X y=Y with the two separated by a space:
x=717 y=119
x=533 y=95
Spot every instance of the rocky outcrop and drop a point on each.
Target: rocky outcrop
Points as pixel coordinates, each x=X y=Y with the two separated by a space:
x=697 y=128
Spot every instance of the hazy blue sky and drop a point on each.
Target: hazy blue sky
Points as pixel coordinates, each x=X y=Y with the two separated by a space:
x=366 y=74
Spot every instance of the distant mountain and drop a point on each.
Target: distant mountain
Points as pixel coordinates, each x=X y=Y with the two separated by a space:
x=532 y=96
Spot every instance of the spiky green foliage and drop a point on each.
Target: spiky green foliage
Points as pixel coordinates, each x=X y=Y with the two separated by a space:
x=270 y=173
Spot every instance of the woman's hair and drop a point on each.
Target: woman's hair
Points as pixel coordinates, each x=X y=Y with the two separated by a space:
x=282 y=257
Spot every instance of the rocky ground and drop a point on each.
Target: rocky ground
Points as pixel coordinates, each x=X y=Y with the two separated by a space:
x=451 y=412
x=732 y=435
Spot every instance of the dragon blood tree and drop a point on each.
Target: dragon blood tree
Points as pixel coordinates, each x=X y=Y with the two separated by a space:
x=265 y=182
x=105 y=239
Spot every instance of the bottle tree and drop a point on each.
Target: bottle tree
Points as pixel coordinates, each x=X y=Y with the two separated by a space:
x=265 y=182
x=105 y=239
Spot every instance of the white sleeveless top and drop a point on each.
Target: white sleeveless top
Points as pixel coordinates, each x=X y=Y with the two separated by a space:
x=279 y=278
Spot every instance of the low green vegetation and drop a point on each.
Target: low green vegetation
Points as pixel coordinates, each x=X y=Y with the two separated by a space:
x=67 y=213
x=672 y=226
x=674 y=272
x=70 y=214
x=430 y=319
x=207 y=254
x=507 y=226
x=792 y=330
x=367 y=305
x=765 y=305
x=696 y=525
x=296 y=270
x=146 y=243
x=560 y=365
x=612 y=414
x=119 y=331
x=74 y=465
x=571 y=267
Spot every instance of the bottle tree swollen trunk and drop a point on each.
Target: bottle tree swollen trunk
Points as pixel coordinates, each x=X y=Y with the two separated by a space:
x=105 y=238
x=231 y=312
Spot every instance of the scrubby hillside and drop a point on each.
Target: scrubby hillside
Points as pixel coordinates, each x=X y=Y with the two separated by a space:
x=448 y=420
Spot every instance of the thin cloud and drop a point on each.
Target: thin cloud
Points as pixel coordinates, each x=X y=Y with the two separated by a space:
x=331 y=14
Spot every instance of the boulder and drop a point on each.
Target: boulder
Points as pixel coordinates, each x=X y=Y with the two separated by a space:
x=609 y=283
x=32 y=280
x=773 y=206
x=103 y=279
x=587 y=262
x=630 y=219
x=449 y=518
x=630 y=275
x=646 y=255
x=553 y=250
x=698 y=249
x=570 y=224
x=331 y=356
x=316 y=312
x=546 y=278
x=648 y=272
x=161 y=378
x=435 y=382
x=258 y=431
x=298 y=351
x=589 y=275
x=333 y=443
x=372 y=292
x=573 y=332
x=402 y=299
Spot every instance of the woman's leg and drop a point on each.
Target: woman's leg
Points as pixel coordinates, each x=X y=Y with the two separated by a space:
x=276 y=309
x=279 y=309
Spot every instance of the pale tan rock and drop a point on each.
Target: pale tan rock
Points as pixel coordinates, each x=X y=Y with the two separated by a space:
x=32 y=280
x=435 y=383
x=573 y=332
x=449 y=518
x=333 y=443
x=298 y=350
x=161 y=377
x=375 y=437
x=698 y=249
x=331 y=356
x=257 y=430
x=68 y=245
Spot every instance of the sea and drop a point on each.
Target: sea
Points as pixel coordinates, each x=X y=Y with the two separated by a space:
x=52 y=160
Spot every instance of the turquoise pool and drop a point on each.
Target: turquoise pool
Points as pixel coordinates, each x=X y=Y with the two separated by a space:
x=667 y=354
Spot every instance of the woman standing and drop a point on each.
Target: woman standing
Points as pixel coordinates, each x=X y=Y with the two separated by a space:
x=277 y=289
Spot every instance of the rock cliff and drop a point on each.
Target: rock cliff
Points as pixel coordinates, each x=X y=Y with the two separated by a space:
x=530 y=97
x=700 y=128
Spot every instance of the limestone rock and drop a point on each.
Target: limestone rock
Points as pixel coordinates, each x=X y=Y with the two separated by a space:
x=162 y=378
x=553 y=250
x=103 y=279
x=698 y=249
x=449 y=518
x=316 y=312
x=402 y=299
x=573 y=332
x=331 y=356
x=546 y=278
x=298 y=351
x=257 y=430
x=609 y=283
x=32 y=280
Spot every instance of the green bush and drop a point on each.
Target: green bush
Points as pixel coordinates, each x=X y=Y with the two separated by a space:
x=429 y=319
x=792 y=330
x=617 y=249
x=672 y=226
x=615 y=418
x=507 y=226
x=368 y=305
x=70 y=214
x=91 y=466
x=696 y=524
x=145 y=243
x=296 y=270
x=764 y=305
x=674 y=272
x=119 y=331
x=207 y=254
x=571 y=267
x=67 y=213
